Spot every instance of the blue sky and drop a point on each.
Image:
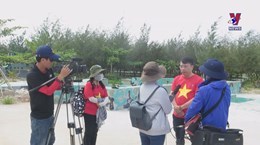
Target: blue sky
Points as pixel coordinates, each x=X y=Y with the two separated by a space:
x=167 y=18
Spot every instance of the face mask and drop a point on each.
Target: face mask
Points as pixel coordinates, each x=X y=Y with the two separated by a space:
x=99 y=77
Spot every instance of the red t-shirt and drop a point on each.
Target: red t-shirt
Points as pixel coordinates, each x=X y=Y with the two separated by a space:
x=189 y=87
x=91 y=108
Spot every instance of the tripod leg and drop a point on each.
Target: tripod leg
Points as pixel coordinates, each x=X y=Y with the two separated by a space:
x=51 y=129
x=72 y=139
x=79 y=130
x=71 y=125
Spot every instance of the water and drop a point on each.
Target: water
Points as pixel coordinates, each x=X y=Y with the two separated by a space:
x=236 y=99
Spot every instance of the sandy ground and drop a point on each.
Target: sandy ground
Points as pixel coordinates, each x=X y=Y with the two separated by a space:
x=117 y=130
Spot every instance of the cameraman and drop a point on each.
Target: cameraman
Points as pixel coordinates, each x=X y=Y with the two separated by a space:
x=42 y=85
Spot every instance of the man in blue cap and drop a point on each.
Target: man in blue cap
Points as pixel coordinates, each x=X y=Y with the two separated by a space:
x=209 y=93
x=41 y=96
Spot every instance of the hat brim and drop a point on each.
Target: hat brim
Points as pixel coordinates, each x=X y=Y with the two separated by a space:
x=55 y=57
x=216 y=75
x=145 y=78
x=96 y=73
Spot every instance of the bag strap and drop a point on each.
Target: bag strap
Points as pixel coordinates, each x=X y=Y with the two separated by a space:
x=215 y=106
x=156 y=113
x=149 y=96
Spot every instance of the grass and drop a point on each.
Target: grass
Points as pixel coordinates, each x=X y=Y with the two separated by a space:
x=8 y=100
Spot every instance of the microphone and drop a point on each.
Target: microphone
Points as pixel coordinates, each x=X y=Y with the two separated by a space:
x=175 y=91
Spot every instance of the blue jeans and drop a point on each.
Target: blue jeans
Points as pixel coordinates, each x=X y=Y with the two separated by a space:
x=40 y=130
x=152 y=140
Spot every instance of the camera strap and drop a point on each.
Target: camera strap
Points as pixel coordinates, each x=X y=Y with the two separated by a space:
x=33 y=89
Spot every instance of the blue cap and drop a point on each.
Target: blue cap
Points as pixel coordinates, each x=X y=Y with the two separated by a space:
x=46 y=51
x=214 y=69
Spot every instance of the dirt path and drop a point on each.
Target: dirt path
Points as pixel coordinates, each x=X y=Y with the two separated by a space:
x=117 y=130
x=15 y=127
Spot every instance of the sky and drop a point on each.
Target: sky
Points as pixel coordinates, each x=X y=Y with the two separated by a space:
x=167 y=18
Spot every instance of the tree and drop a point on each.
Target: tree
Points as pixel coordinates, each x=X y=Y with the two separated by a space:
x=52 y=33
x=118 y=45
x=7 y=35
x=88 y=45
x=7 y=31
x=138 y=55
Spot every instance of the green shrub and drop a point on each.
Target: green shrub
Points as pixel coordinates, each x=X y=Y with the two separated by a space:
x=247 y=85
x=12 y=75
x=113 y=79
x=8 y=100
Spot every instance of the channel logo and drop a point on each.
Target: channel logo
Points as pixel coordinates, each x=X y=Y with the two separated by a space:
x=234 y=20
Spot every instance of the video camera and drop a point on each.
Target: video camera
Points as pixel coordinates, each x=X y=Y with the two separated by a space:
x=73 y=64
x=76 y=67
x=77 y=70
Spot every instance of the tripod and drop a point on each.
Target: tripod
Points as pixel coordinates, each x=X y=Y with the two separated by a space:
x=67 y=90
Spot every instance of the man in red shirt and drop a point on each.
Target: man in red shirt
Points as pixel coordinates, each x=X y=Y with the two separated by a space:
x=184 y=87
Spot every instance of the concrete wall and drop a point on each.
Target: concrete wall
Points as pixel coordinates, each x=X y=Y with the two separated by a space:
x=121 y=98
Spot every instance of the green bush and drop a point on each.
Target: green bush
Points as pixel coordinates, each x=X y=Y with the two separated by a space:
x=8 y=100
x=12 y=75
x=113 y=79
x=247 y=85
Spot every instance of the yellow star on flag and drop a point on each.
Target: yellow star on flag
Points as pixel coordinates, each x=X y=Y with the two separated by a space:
x=184 y=91
x=99 y=96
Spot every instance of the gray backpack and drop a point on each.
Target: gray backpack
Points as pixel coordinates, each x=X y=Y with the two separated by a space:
x=139 y=116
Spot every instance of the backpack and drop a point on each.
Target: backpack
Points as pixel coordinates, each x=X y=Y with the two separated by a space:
x=139 y=116
x=78 y=102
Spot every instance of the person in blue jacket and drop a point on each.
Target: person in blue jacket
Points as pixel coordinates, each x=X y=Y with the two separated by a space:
x=209 y=93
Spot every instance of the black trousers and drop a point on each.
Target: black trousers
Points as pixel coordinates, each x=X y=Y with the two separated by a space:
x=178 y=126
x=91 y=129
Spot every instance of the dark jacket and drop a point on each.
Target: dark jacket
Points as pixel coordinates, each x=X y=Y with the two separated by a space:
x=42 y=105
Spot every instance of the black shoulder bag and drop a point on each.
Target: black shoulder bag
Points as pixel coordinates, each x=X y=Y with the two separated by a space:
x=213 y=136
x=193 y=124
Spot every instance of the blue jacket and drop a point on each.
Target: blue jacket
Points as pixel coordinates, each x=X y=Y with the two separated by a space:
x=206 y=97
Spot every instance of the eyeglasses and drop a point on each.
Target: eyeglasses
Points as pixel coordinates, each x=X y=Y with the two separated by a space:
x=184 y=66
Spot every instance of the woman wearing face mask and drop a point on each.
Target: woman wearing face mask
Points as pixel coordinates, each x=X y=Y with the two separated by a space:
x=96 y=97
